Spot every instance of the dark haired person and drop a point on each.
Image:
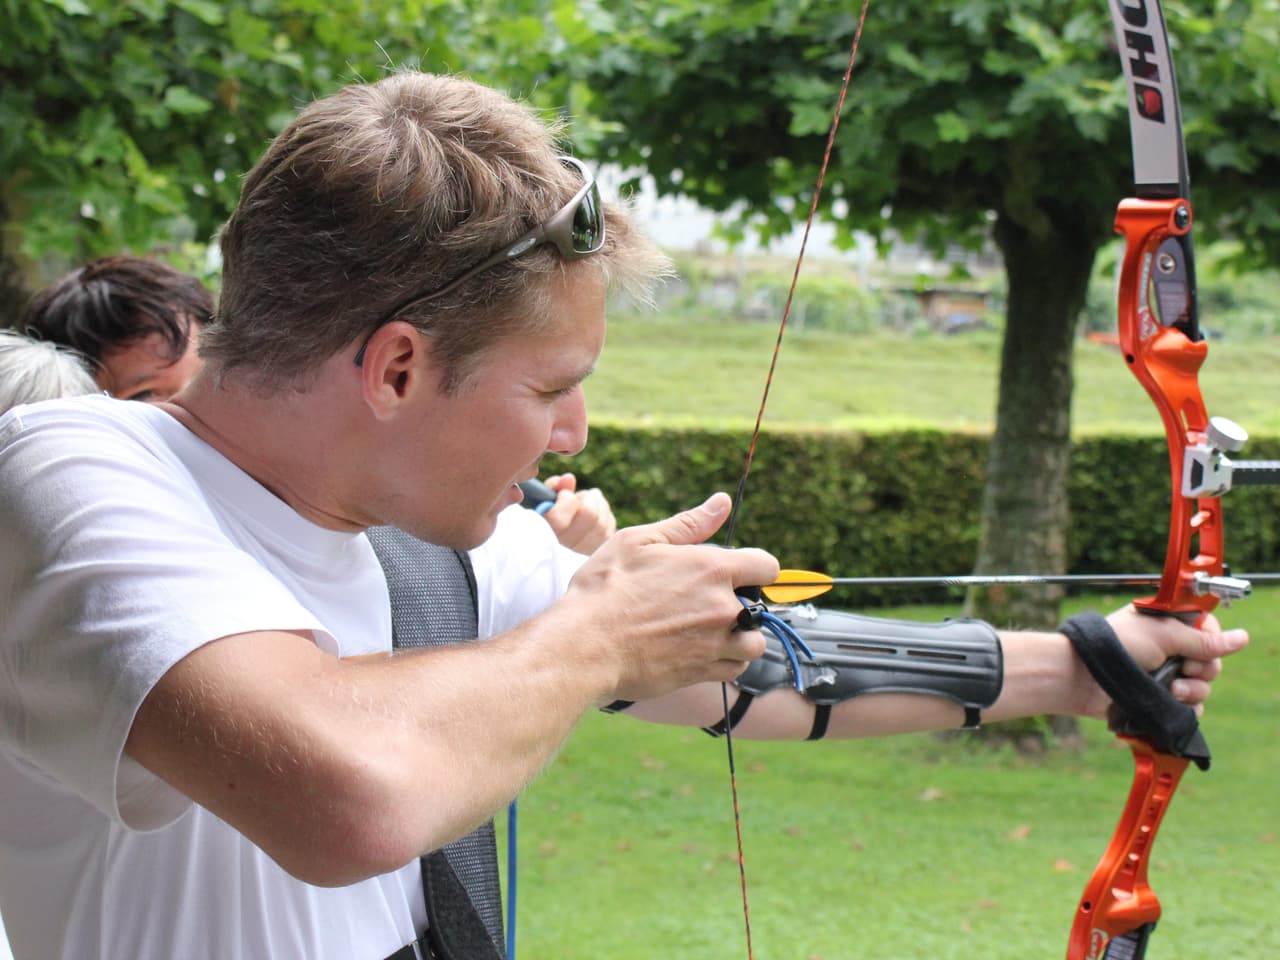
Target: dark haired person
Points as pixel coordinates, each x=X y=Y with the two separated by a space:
x=137 y=321
x=207 y=749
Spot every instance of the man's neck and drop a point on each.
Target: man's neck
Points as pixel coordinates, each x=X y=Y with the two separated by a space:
x=290 y=441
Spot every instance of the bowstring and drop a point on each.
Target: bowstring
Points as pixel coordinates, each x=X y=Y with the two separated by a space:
x=741 y=490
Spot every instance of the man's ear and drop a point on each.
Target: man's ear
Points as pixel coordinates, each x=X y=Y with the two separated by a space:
x=397 y=365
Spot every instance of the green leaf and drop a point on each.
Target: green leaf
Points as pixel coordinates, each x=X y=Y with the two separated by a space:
x=952 y=128
x=72 y=8
x=183 y=100
x=203 y=10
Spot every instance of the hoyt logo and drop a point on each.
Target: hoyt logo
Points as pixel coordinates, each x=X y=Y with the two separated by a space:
x=1143 y=68
x=1097 y=941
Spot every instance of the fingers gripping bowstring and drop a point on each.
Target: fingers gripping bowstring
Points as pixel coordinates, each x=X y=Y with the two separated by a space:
x=741 y=490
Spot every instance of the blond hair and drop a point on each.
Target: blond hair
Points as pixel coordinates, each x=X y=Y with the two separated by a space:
x=387 y=189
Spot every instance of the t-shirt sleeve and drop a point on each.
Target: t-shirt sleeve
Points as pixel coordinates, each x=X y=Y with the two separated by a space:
x=112 y=569
x=520 y=571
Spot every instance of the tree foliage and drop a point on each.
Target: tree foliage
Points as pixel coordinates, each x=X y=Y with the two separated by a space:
x=127 y=124
x=128 y=121
x=957 y=111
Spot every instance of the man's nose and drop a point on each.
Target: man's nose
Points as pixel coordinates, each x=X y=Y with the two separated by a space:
x=569 y=434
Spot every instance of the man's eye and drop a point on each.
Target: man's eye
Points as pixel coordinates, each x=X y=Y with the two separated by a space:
x=146 y=396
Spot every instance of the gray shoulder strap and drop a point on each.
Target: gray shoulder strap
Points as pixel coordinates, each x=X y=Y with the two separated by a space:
x=433 y=601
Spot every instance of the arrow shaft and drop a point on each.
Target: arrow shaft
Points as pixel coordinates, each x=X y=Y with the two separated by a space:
x=1006 y=579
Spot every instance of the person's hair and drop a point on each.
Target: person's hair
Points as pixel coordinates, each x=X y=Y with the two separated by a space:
x=31 y=370
x=112 y=301
x=388 y=189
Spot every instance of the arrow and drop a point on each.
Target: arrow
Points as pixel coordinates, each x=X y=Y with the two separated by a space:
x=796 y=586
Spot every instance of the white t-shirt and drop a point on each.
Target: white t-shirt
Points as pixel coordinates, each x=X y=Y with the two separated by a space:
x=520 y=571
x=126 y=542
x=5 y=952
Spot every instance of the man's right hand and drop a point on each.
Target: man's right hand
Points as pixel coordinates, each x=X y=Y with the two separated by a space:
x=658 y=603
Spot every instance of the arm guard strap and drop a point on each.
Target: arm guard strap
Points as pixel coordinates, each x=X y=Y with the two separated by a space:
x=855 y=655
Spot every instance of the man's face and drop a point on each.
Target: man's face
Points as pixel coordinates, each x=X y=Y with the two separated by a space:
x=143 y=369
x=523 y=400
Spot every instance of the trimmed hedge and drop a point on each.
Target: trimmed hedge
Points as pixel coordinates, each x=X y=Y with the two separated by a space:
x=906 y=503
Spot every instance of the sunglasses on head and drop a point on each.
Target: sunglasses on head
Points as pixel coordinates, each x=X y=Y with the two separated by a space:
x=576 y=229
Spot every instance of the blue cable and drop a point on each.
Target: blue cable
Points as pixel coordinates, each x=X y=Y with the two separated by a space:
x=779 y=624
x=511 y=881
x=789 y=640
x=790 y=651
x=539 y=498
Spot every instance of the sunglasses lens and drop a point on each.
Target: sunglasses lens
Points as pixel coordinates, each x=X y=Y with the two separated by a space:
x=588 y=223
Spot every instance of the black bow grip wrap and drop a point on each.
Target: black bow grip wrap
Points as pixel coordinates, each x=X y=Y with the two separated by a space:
x=1142 y=705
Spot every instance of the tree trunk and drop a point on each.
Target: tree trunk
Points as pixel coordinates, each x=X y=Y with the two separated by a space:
x=1024 y=508
x=14 y=291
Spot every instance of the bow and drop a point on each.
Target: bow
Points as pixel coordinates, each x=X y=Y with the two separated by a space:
x=1162 y=345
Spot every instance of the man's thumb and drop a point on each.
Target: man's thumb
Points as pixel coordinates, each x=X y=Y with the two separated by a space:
x=695 y=525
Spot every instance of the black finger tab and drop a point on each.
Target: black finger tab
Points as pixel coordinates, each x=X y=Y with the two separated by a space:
x=753 y=609
x=751 y=616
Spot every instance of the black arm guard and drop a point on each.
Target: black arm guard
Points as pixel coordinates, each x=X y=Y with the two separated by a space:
x=853 y=655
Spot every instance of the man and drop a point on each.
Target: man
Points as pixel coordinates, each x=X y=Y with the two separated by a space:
x=205 y=748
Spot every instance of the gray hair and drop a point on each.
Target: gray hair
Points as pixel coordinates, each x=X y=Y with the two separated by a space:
x=32 y=370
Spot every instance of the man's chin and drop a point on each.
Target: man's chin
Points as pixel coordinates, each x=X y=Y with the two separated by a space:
x=456 y=538
x=480 y=538
x=470 y=539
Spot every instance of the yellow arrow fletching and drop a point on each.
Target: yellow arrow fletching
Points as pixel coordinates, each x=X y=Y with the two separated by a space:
x=796 y=586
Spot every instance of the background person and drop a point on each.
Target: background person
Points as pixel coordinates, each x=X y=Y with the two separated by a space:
x=136 y=320
x=31 y=371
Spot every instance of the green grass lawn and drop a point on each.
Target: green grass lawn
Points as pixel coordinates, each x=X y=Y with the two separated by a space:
x=684 y=372
x=907 y=847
